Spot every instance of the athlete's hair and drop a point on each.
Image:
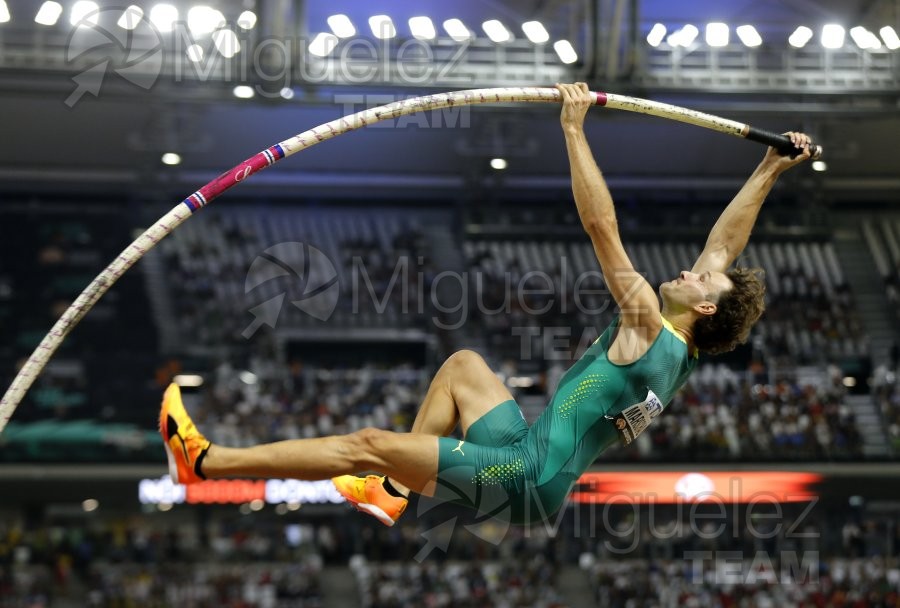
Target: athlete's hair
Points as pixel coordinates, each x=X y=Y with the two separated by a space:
x=736 y=312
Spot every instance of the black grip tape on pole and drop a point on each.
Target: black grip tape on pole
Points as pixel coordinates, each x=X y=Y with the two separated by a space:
x=780 y=142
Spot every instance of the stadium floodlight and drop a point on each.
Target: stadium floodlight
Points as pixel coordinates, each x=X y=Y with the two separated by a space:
x=171 y=159
x=833 y=36
x=382 y=27
x=800 y=37
x=536 y=32
x=717 y=34
x=656 y=35
x=499 y=164
x=49 y=13
x=246 y=20
x=889 y=35
x=84 y=12
x=226 y=42
x=202 y=20
x=163 y=17
x=684 y=37
x=243 y=91
x=4 y=12
x=457 y=30
x=874 y=42
x=341 y=26
x=496 y=31
x=323 y=44
x=819 y=165
x=748 y=35
x=565 y=51
x=422 y=28
x=864 y=39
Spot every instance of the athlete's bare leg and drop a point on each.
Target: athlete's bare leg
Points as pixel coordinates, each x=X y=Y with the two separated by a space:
x=411 y=459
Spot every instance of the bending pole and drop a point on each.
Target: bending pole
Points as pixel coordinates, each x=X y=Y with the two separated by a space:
x=181 y=212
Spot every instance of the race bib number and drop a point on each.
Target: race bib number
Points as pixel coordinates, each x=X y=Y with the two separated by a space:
x=633 y=420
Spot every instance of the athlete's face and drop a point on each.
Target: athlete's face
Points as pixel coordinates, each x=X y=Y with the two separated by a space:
x=690 y=289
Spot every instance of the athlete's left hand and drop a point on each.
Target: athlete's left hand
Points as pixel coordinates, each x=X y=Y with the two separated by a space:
x=576 y=100
x=782 y=162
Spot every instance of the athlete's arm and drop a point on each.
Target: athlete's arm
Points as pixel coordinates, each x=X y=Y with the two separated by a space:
x=636 y=299
x=731 y=232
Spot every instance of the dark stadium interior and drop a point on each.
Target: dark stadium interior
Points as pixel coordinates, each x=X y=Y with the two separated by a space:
x=321 y=296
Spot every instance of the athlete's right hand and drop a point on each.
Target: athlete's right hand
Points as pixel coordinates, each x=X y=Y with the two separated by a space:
x=576 y=100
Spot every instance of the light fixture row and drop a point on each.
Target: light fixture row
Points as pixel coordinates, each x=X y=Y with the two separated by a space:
x=423 y=28
x=201 y=19
x=204 y=20
x=832 y=36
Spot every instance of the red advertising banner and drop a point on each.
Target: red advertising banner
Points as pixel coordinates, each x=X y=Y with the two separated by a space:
x=680 y=486
x=658 y=487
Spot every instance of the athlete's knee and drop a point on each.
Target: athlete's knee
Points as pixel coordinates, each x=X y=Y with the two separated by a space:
x=465 y=361
x=369 y=445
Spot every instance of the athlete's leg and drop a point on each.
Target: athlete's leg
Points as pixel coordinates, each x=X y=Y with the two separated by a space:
x=463 y=390
x=411 y=459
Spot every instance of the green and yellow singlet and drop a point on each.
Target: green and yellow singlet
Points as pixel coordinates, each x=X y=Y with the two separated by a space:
x=523 y=474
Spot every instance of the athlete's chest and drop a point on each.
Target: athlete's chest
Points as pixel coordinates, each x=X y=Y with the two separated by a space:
x=594 y=391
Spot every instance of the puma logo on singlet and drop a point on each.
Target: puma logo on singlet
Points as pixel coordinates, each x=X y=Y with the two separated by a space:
x=459 y=448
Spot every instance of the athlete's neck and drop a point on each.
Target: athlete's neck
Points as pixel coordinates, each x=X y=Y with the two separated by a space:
x=683 y=323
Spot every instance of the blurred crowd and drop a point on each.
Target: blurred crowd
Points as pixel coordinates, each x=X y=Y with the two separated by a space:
x=242 y=408
x=825 y=556
x=834 y=582
x=724 y=415
x=139 y=562
x=804 y=325
x=522 y=581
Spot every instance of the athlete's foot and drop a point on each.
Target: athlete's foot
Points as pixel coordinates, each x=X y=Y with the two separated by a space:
x=185 y=446
x=369 y=496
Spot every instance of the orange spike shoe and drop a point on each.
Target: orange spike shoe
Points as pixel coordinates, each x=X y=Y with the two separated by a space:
x=185 y=446
x=369 y=496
